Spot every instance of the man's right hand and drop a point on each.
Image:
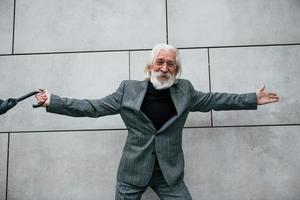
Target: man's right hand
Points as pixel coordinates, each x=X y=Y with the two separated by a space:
x=43 y=97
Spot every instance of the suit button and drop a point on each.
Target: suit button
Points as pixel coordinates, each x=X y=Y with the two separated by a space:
x=153 y=152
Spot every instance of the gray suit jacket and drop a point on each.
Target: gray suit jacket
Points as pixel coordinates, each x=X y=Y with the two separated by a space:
x=143 y=140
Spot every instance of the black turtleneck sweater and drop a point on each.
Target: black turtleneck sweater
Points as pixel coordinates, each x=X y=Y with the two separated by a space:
x=158 y=106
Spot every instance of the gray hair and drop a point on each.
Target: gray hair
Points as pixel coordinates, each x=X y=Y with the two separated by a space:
x=154 y=53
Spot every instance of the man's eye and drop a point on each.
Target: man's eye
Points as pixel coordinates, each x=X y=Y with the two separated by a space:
x=171 y=64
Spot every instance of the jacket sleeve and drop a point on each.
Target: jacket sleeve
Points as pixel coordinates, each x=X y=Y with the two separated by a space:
x=108 y=105
x=223 y=101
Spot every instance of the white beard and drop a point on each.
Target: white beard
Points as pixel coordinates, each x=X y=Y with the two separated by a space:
x=162 y=80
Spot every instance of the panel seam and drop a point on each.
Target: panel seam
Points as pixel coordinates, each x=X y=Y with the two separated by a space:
x=129 y=65
x=209 y=83
x=13 y=33
x=145 y=49
x=124 y=129
x=167 y=25
x=7 y=165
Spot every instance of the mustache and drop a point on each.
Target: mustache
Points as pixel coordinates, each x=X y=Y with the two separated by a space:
x=163 y=74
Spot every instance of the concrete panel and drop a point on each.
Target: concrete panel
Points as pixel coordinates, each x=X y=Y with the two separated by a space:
x=80 y=76
x=194 y=68
x=70 y=25
x=74 y=165
x=6 y=26
x=243 y=163
x=3 y=164
x=138 y=62
x=233 y=22
x=238 y=70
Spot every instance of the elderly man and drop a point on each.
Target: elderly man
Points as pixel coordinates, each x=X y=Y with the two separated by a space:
x=154 y=111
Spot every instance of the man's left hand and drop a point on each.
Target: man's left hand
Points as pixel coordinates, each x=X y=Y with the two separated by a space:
x=265 y=97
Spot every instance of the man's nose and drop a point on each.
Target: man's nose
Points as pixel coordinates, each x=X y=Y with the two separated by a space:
x=164 y=68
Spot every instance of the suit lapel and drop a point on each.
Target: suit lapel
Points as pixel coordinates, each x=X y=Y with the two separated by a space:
x=177 y=98
x=140 y=94
x=141 y=91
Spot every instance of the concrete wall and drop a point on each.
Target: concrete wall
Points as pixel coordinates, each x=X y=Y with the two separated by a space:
x=84 y=49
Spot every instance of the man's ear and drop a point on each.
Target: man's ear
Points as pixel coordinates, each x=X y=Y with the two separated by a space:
x=150 y=67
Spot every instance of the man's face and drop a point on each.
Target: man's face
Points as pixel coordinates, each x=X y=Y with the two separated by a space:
x=165 y=62
x=163 y=69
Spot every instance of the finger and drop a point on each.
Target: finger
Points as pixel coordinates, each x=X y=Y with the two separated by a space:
x=272 y=93
x=37 y=95
x=43 y=99
x=40 y=96
x=45 y=91
x=262 y=87
x=40 y=100
x=42 y=90
x=273 y=98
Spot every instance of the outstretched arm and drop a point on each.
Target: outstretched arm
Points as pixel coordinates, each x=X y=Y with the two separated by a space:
x=223 y=101
x=265 y=97
x=108 y=105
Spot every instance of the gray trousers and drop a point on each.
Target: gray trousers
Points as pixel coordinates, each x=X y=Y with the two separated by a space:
x=179 y=191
